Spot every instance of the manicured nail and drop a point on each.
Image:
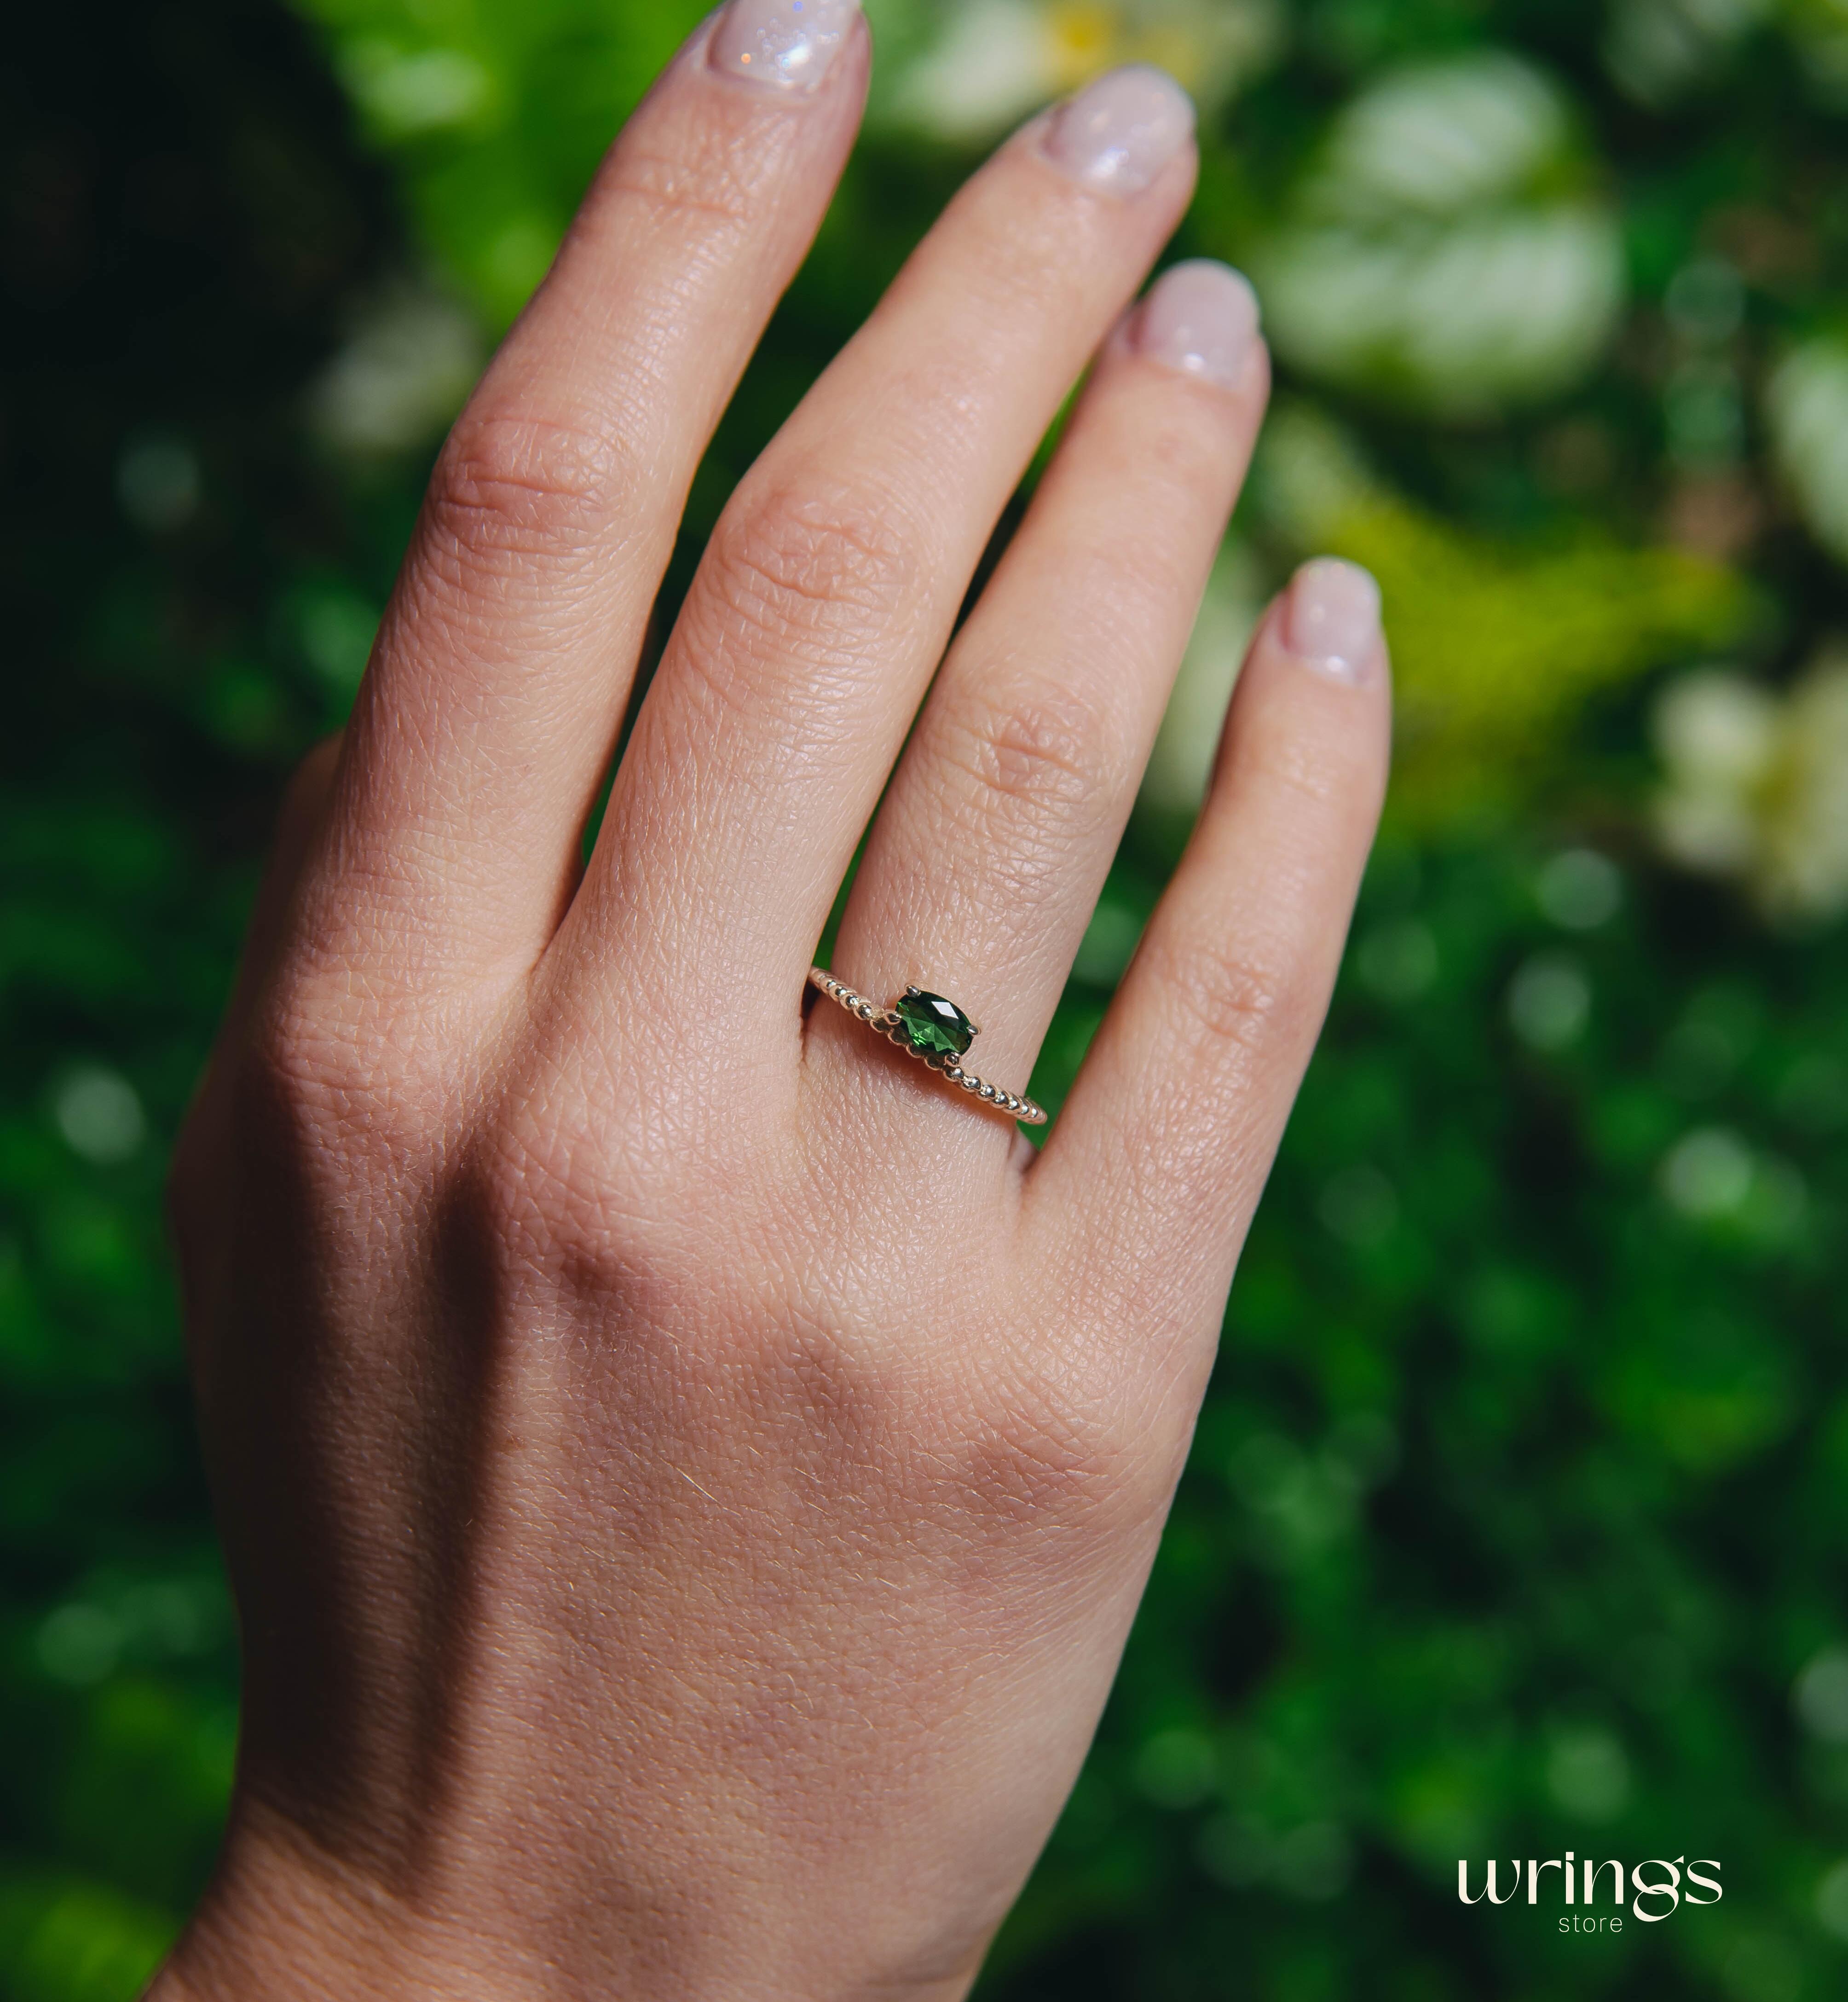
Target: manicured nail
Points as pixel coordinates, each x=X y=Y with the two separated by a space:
x=1120 y=132
x=1201 y=317
x=786 y=43
x=1331 y=618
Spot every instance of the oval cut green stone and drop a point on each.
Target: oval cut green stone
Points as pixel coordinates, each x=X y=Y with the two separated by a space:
x=934 y=1023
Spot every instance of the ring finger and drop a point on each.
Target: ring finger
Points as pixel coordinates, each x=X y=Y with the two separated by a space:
x=987 y=858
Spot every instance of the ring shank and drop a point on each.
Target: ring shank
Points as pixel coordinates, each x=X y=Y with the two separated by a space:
x=889 y=1025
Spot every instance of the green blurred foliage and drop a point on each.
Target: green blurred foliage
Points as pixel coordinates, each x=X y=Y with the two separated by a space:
x=185 y=229
x=1518 y=1517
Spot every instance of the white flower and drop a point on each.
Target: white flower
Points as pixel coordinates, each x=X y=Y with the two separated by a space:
x=981 y=65
x=1758 y=785
x=1434 y=257
x=1550 y=1001
x=404 y=372
x=1717 y=735
x=1714 y=1176
x=996 y=60
x=1708 y=1173
x=99 y=1114
x=1440 y=138
x=1463 y=319
x=1806 y=400
x=1655 y=50
x=404 y=92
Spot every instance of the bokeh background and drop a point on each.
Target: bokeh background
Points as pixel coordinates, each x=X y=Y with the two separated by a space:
x=1518 y=1517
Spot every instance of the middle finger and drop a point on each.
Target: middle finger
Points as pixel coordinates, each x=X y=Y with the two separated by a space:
x=833 y=578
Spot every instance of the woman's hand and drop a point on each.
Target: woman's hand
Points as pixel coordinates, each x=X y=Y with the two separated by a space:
x=687 y=1472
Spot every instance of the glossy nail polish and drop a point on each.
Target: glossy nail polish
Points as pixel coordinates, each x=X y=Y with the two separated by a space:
x=785 y=44
x=1199 y=317
x=1331 y=619
x=1117 y=133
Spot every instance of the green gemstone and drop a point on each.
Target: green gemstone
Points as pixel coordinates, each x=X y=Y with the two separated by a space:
x=933 y=1024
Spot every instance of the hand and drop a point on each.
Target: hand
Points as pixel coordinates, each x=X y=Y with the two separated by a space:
x=686 y=1471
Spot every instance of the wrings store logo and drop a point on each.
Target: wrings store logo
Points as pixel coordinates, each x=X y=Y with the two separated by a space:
x=1652 y=1898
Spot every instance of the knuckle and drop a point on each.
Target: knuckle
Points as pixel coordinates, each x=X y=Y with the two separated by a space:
x=1018 y=258
x=1057 y=1450
x=706 y=179
x=1130 y=586
x=1225 y=998
x=817 y=573
x=1305 y=771
x=317 y=1063
x=1319 y=778
x=303 y=1060
x=561 y=1182
x=1036 y=759
x=510 y=488
x=1186 y=462
x=308 y=784
x=846 y=1414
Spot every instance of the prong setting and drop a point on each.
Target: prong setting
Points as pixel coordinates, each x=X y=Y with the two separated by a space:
x=935 y=1031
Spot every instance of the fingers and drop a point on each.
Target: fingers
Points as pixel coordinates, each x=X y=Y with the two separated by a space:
x=834 y=575
x=505 y=660
x=995 y=837
x=1161 y=1150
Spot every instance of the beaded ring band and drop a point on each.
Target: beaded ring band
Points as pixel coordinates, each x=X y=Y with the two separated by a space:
x=935 y=1031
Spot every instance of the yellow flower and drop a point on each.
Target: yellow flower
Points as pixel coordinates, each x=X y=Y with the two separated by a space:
x=1495 y=648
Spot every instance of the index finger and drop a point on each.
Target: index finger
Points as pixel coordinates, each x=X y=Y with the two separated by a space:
x=489 y=713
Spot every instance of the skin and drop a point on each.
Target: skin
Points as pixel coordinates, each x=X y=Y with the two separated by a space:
x=686 y=1473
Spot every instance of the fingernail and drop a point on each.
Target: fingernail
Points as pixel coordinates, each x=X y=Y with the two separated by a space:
x=1331 y=619
x=1201 y=317
x=786 y=43
x=1119 y=133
